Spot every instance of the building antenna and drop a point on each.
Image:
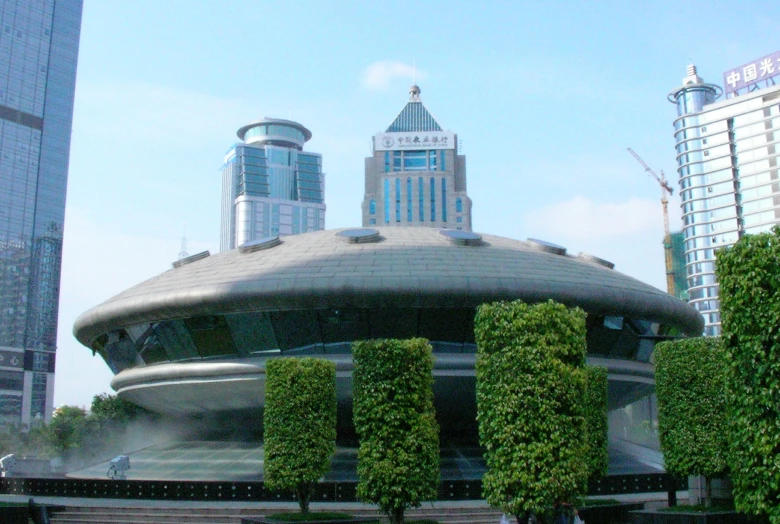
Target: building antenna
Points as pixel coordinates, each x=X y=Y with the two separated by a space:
x=183 y=253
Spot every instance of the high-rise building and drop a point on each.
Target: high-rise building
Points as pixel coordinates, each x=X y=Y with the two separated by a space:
x=416 y=176
x=39 y=41
x=727 y=155
x=270 y=186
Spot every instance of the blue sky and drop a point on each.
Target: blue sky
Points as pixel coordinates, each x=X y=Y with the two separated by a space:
x=545 y=97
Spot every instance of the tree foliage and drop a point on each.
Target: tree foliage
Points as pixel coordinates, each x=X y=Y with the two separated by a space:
x=596 y=427
x=749 y=277
x=530 y=387
x=75 y=435
x=299 y=423
x=398 y=457
x=690 y=378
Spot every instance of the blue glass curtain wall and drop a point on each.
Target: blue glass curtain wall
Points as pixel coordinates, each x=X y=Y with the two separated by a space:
x=241 y=335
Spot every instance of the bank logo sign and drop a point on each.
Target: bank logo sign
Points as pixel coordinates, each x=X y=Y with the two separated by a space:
x=419 y=140
x=749 y=76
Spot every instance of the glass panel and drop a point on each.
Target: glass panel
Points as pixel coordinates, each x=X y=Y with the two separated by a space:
x=296 y=329
x=176 y=339
x=415 y=161
x=420 y=196
x=409 y=200
x=443 y=199
x=393 y=323
x=397 y=199
x=387 y=200
x=343 y=325
x=211 y=335
x=433 y=200
x=252 y=332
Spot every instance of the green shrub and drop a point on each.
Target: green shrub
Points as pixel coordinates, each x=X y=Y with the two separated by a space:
x=398 y=457
x=596 y=427
x=299 y=423
x=530 y=390
x=749 y=277
x=690 y=378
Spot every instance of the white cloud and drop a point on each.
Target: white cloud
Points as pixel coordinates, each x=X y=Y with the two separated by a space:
x=378 y=75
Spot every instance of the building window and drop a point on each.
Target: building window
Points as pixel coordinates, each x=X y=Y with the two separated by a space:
x=459 y=205
x=420 y=188
x=433 y=200
x=387 y=161
x=396 y=160
x=432 y=160
x=387 y=200
x=372 y=207
x=459 y=220
x=443 y=199
x=372 y=221
x=397 y=199
x=415 y=161
x=442 y=166
x=409 y=200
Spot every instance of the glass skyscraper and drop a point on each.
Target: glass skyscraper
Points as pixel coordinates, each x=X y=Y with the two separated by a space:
x=416 y=176
x=727 y=155
x=270 y=186
x=39 y=41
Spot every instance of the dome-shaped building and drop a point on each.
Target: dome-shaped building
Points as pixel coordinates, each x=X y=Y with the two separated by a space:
x=194 y=340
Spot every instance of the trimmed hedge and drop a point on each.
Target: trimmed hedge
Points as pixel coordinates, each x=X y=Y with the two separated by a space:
x=530 y=390
x=597 y=428
x=749 y=277
x=299 y=423
x=690 y=382
x=398 y=457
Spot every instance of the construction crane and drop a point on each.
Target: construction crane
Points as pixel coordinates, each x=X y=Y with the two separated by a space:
x=665 y=188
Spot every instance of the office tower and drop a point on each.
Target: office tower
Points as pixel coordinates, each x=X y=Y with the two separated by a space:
x=39 y=42
x=727 y=163
x=270 y=186
x=416 y=176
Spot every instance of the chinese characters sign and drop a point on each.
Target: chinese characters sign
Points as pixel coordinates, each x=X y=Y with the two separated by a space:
x=419 y=140
x=752 y=73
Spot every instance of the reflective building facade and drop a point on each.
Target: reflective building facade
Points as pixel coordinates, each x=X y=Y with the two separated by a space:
x=416 y=176
x=39 y=42
x=727 y=165
x=270 y=186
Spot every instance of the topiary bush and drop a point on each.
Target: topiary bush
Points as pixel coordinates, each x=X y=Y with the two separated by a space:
x=749 y=277
x=530 y=390
x=299 y=423
x=596 y=426
x=690 y=382
x=398 y=456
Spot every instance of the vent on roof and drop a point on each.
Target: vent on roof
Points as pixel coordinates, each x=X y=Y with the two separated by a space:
x=259 y=244
x=190 y=259
x=461 y=238
x=548 y=247
x=596 y=260
x=359 y=236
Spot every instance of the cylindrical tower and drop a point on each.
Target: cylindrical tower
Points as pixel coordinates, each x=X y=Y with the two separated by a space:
x=705 y=210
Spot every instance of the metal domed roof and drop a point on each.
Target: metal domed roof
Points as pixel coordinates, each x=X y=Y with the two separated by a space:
x=407 y=267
